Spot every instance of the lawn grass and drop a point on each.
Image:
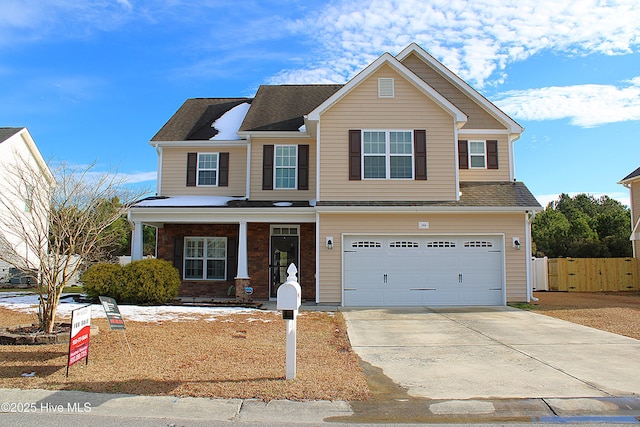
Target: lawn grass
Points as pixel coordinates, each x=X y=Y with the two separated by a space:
x=234 y=356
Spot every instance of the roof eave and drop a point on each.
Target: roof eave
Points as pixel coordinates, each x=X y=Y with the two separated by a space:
x=427 y=209
x=500 y=115
x=200 y=143
x=273 y=134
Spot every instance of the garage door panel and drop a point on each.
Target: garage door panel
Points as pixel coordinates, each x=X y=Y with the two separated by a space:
x=424 y=270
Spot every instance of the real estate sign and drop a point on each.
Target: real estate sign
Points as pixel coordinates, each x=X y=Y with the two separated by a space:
x=113 y=313
x=80 y=335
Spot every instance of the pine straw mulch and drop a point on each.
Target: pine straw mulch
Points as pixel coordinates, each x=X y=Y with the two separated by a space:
x=235 y=356
x=617 y=312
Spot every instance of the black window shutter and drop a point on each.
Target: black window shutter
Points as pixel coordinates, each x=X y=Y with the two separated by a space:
x=354 y=155
x=492 y=154
x=178 y=249
x=232 y=258
x=303 y=167
x=192 y=163
x=463 y=155
x=420 y=153
x=267 y=167
x=223 y=170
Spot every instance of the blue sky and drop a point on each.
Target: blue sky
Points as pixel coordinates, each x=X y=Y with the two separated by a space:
x=94 y=80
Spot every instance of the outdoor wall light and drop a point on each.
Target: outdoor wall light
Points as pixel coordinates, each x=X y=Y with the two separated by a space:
x=516 y=243
x=329 y=242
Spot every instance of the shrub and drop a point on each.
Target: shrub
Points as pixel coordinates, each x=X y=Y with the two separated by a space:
x=150 y=281
x=104 y=279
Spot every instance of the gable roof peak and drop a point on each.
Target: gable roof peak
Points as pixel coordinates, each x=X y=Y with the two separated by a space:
x=442 y=69
x=388 y=59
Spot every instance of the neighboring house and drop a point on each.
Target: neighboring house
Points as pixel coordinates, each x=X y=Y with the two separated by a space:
x=632 y=182
x=21 y=169
x=397 y=188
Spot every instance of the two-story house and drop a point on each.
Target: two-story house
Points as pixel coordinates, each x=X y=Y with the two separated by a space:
x=396 y=188
x=25 y=179
x=632 y=182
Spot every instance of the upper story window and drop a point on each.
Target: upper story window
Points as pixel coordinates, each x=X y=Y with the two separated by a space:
x=28 y=199
x=207 y=169
x=477 y=154
x=285 y=167
x=286 y=157
x=387 y=154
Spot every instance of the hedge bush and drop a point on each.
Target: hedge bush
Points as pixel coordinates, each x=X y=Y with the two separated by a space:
x=104 y=279
x=148 y=281
x=151 y=281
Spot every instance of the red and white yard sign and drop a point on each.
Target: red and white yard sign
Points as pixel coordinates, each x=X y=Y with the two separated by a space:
x=80 y=333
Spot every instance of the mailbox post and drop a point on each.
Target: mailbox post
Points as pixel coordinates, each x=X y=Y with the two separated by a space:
x=289 y=302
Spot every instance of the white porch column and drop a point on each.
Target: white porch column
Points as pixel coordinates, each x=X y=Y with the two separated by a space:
x=243 y=272
x=136 y=241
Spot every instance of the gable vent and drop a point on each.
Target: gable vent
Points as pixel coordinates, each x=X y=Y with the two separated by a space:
x=385 y=88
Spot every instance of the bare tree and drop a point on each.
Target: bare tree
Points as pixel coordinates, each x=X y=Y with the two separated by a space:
x=47 y=228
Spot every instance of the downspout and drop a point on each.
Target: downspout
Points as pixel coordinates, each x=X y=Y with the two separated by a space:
x=159 y=175
x=529 y=219
x=512 y=164
x=247 y=190
x=317 y=214
x=456 y=161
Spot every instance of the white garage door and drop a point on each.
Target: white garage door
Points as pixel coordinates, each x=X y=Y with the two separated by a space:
x=409 y=270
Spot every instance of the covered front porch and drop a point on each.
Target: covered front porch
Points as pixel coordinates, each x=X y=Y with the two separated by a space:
x=219 y=251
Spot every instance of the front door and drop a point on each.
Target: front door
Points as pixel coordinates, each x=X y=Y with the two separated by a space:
x=284 y=251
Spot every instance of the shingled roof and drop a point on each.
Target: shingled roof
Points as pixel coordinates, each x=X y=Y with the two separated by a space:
x=473 y=194
x=6 y=133
x=281 y=108
x=634 y=174
x=193 y=119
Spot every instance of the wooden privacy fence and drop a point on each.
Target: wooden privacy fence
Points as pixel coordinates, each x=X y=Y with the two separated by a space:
x=593 y=274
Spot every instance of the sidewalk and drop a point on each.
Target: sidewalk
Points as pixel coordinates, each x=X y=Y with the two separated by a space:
x=283 y=412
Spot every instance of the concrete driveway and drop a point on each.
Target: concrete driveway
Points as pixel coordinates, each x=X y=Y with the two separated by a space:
x=493 y=352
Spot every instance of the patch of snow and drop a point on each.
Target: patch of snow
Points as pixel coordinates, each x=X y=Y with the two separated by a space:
x=229 y=123
x=302 y=128
x=188 y=201
x=28 y=303
x=283 y=204
x=312 y=202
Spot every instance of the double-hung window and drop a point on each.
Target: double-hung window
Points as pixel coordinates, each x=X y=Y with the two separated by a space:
x=207 y=169
x=477 y=154
x=387 y=154
x=205 y=258
x=286 y=161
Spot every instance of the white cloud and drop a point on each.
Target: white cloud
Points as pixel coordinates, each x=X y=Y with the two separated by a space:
x=584 y=105
x=476 y=40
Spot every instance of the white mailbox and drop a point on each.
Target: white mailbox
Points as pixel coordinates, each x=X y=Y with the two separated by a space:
x=289 y=303
x=289 y=292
